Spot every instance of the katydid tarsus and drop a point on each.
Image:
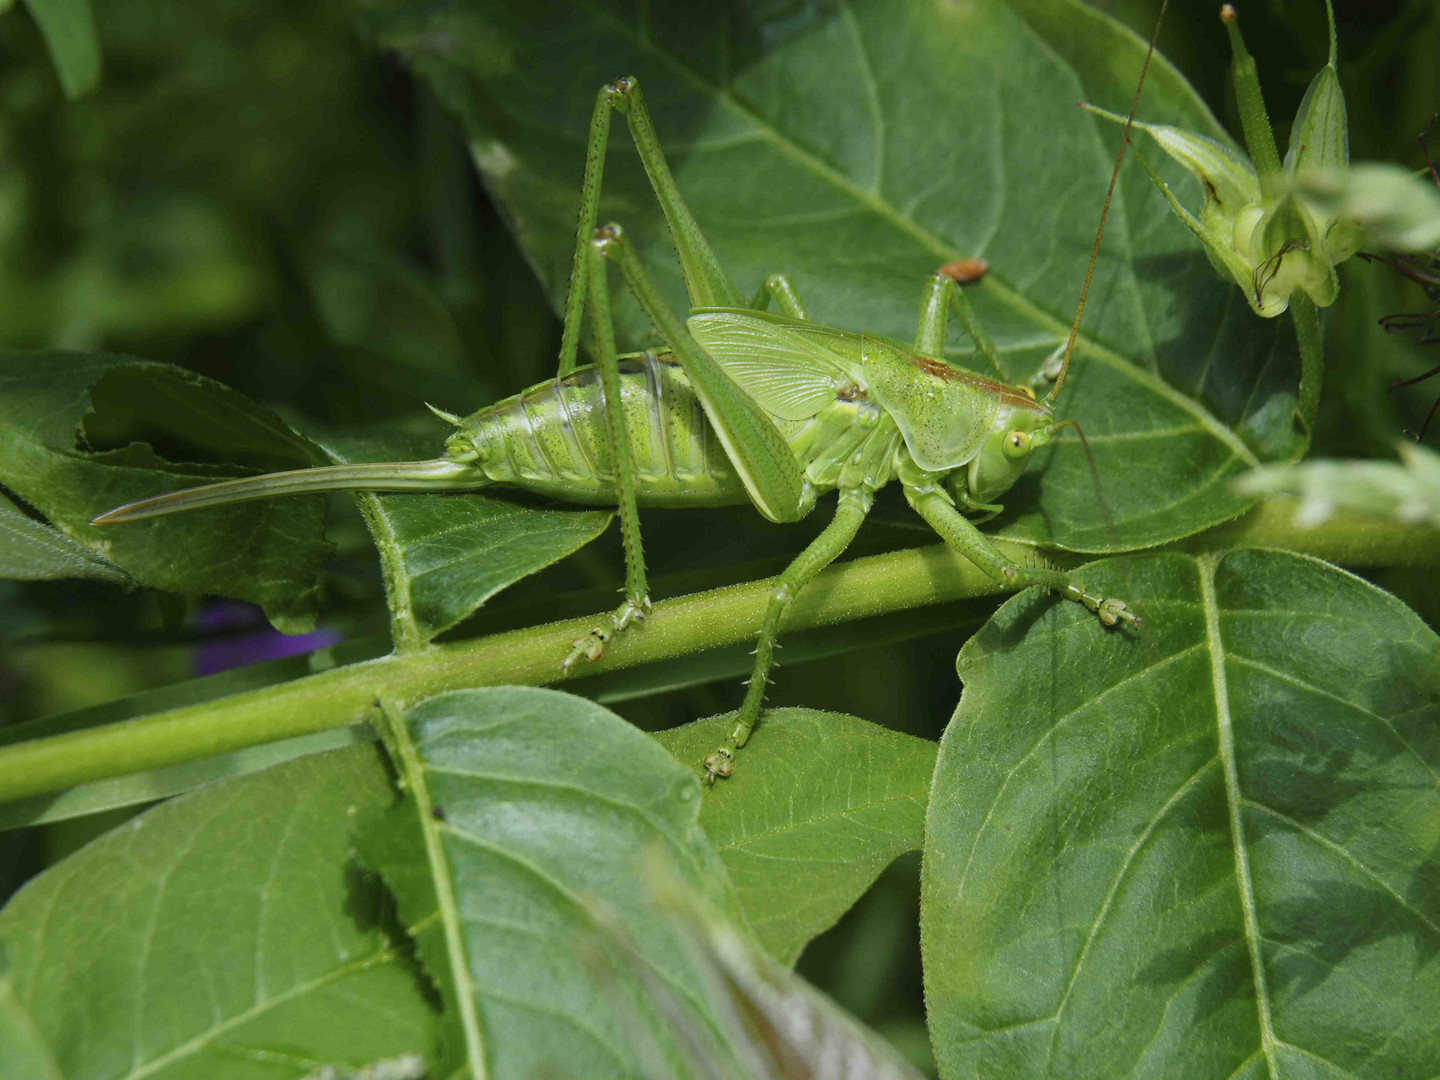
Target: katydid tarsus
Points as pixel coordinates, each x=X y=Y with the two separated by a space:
x=741 y=405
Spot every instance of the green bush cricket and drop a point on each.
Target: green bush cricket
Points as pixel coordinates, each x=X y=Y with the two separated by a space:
x=742 y=405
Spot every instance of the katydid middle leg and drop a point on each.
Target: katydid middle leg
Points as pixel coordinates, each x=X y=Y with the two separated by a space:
x=772 y=477
x=779 y=288
x=850 y=511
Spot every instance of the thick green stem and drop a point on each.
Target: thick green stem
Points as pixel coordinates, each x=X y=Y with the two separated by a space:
x=529 y=657
x=866 y=587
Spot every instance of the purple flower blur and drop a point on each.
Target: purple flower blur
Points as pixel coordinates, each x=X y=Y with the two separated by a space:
x=252 y=640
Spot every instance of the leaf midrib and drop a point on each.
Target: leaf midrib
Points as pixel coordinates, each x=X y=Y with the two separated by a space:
x=1013 y=299
x=1225 y=736
x=451 y=920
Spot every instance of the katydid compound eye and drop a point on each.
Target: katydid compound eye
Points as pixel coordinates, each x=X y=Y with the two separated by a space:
x=1017 y=444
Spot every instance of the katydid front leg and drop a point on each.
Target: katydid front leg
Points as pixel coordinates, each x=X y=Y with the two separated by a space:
x=943 y=294
x=931 y=503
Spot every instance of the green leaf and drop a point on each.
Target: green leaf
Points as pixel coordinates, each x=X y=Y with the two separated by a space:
x=445 y=555
x=457 y=551
x=220 y=934
x=1206 y=850
x=31 y=551
x=777 y=1026
x=520 y=849
x=856 y=149
x=54 y=405
x=22 y=1049
x=69 y=31
x=1320 y=136
x=819 y=804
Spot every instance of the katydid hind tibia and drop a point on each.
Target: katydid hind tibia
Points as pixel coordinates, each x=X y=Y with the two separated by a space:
x=741 y=405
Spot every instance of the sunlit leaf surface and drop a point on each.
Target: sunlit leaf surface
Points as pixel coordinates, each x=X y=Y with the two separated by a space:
x=1206 y=850
x=522 y=851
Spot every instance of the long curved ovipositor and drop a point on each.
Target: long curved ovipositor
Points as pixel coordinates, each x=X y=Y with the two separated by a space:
x=440 y=474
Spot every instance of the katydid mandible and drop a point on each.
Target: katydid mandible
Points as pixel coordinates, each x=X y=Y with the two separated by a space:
x=742 y=405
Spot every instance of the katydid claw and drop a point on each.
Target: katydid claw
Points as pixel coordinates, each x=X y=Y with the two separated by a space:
x=592 y=645
x=719 y=765
x=1113 y=611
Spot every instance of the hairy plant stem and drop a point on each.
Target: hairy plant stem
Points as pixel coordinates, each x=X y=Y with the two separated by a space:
x=859 y=589
x=1306 y=318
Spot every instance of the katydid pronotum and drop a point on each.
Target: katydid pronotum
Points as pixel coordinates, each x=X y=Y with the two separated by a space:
x=742 y=405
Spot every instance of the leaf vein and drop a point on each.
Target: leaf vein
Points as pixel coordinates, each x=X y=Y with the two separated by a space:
x=1226 y=738
x=1339 y=849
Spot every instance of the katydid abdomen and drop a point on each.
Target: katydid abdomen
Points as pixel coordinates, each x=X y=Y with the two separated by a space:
x=551 y=439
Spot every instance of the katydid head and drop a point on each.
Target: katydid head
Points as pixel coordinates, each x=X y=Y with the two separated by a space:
x=1021 y=426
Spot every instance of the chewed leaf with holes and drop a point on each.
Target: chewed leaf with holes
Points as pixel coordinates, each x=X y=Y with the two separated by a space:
x=1208 y=850
x=223 y=933
x=76 y=434
x=856 y=147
